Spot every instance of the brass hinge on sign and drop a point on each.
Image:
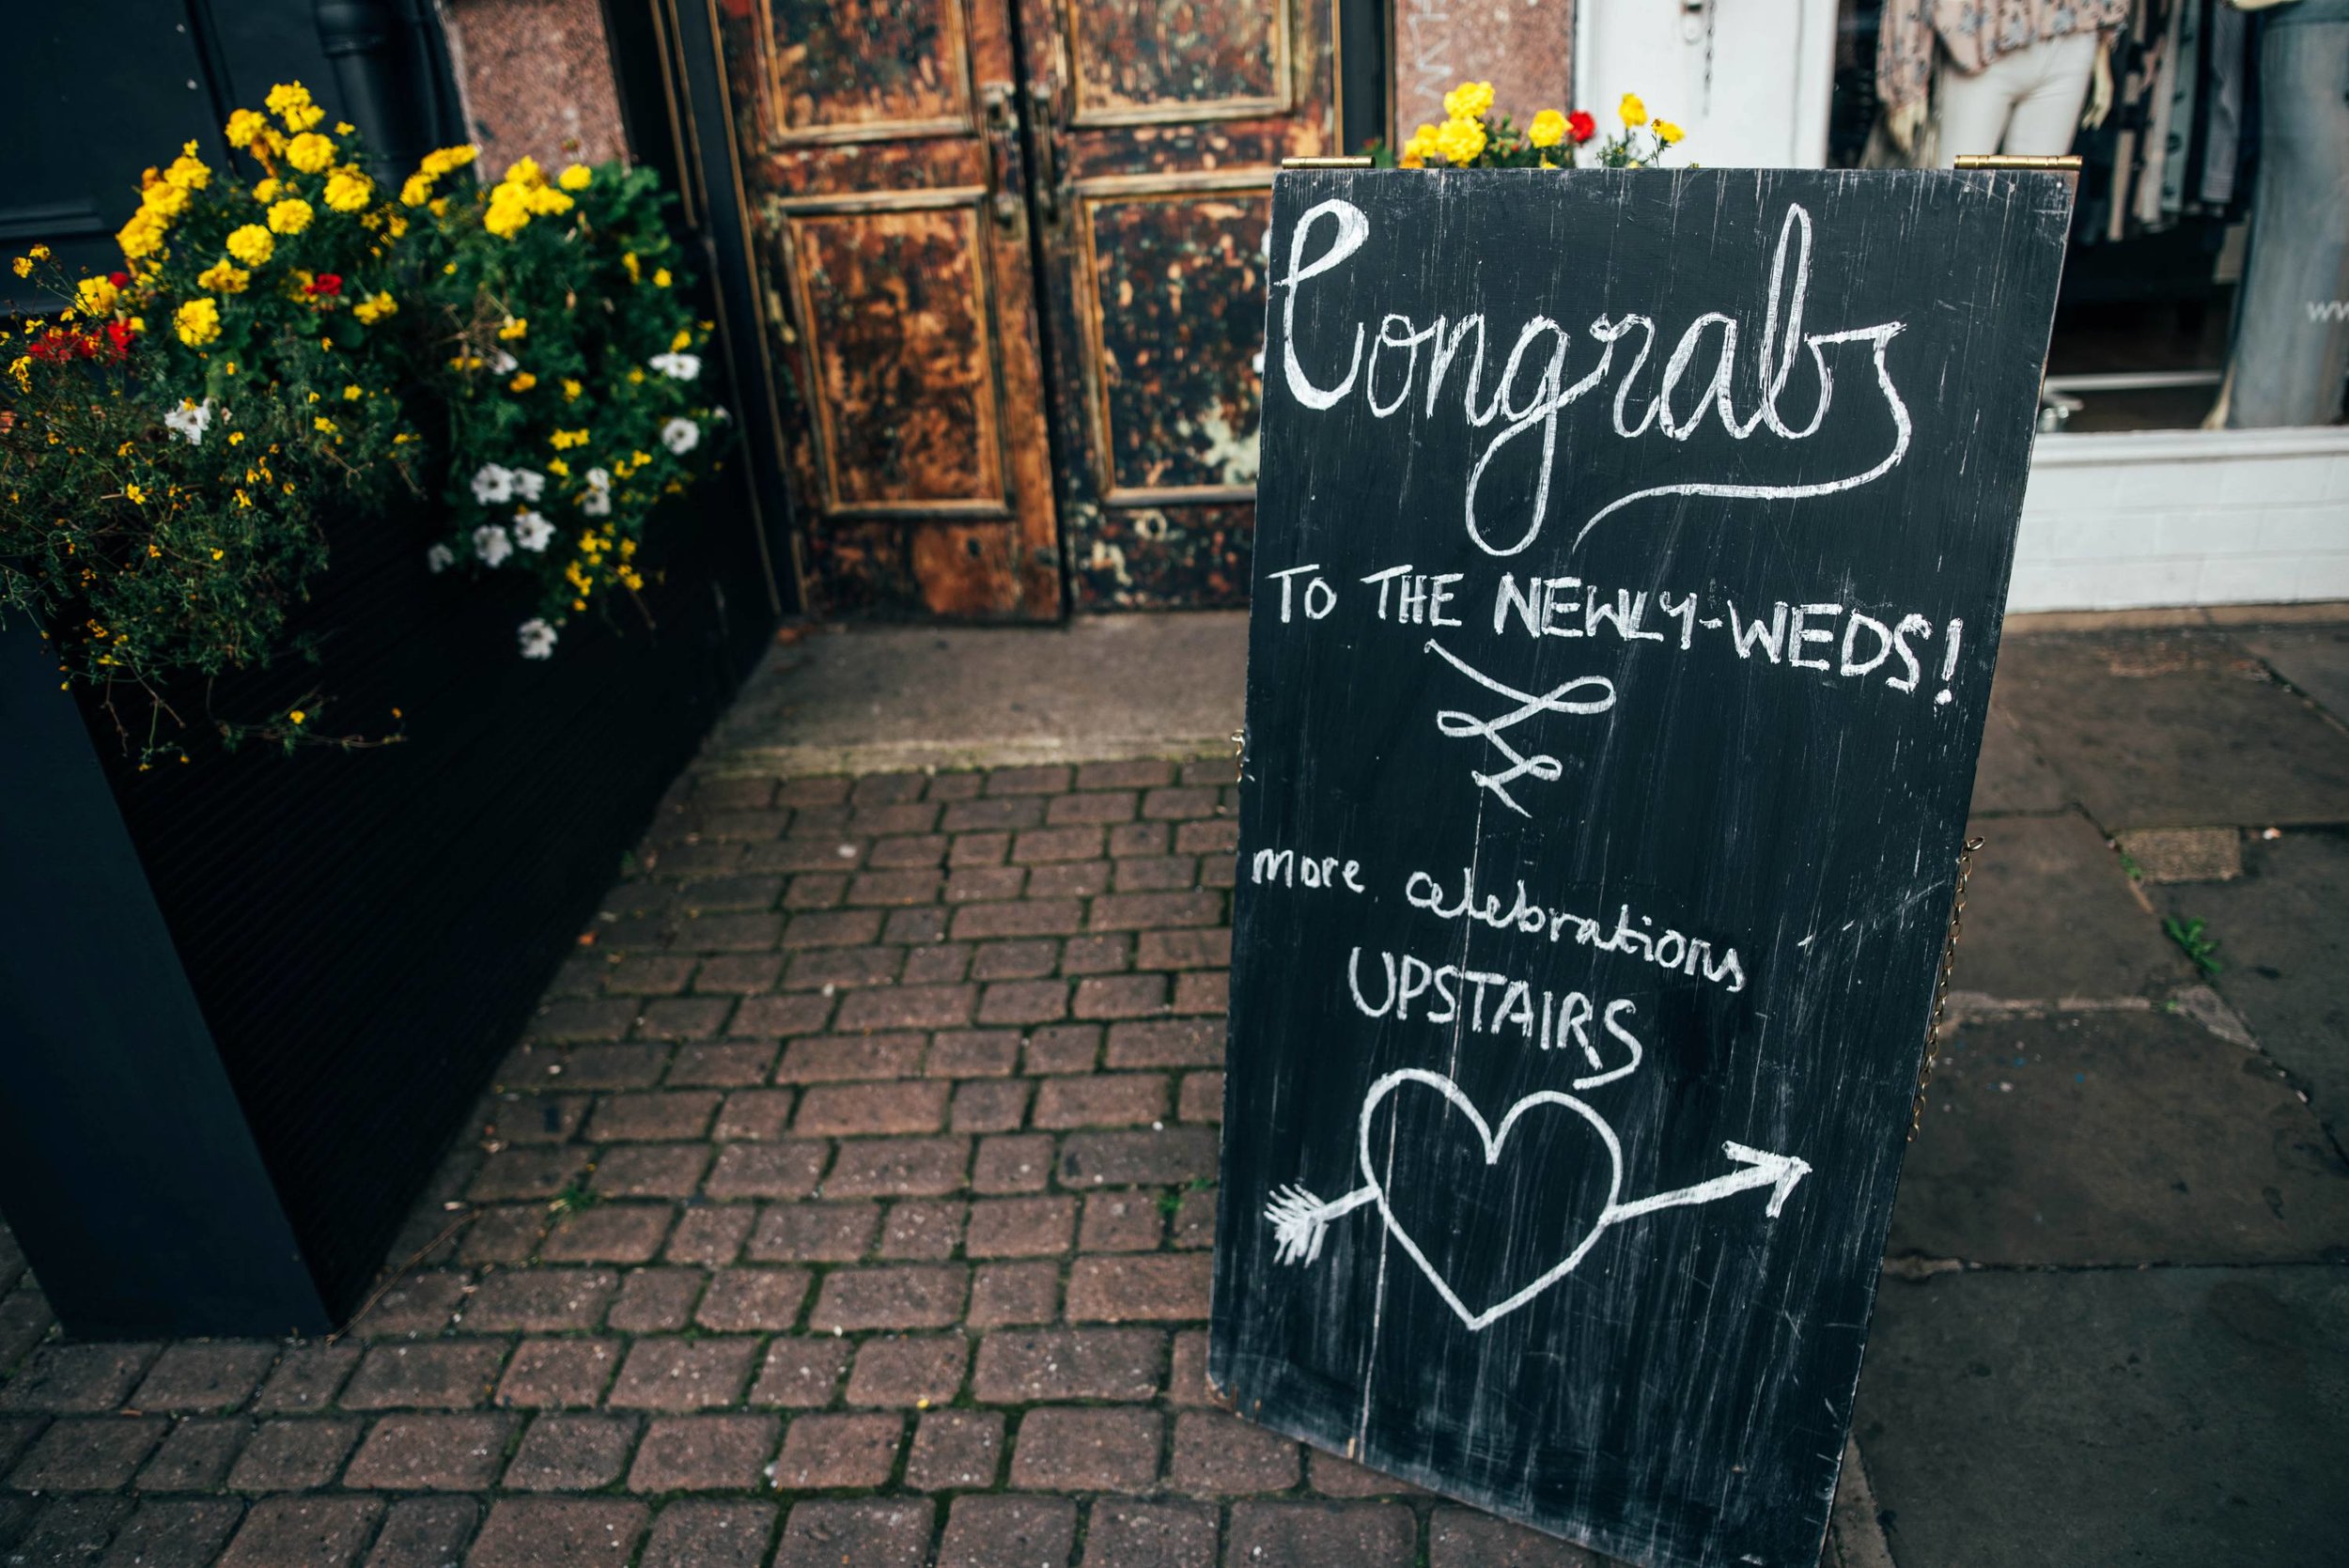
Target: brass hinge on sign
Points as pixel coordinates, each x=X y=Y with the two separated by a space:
x=1941 y=988
x=1325 y=163
x=2067 y=163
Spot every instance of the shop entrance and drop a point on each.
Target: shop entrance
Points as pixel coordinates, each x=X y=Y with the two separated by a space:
x=1010 y=258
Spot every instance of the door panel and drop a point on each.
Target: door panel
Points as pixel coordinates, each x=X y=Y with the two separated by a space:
x=1159 y=124
x=884 y=177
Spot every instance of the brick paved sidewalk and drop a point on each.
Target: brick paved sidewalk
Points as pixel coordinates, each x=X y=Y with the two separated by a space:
x=850 y=1204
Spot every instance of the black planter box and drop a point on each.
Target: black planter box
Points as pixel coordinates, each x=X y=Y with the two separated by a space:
x=246 y=1002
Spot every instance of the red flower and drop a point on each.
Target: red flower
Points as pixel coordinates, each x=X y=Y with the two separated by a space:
x=120 y=280
x=118 y=334
x=1580 y=126
x=326 y=283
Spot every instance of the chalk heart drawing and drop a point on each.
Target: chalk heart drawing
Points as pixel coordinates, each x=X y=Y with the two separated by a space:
x=1300 y=1220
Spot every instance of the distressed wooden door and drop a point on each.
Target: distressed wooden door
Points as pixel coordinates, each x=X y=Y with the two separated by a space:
x=1158 y=125
x=885 y=187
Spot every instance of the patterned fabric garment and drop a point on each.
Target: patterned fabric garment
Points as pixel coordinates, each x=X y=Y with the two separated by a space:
x=1974 y=32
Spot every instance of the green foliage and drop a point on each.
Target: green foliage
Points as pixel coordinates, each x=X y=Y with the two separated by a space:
x=2200 y=950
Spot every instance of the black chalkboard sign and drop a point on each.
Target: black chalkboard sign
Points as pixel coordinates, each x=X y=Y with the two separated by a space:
x=1631 y=554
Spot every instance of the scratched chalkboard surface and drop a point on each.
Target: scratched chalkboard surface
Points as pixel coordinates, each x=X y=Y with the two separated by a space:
x=1631 y=554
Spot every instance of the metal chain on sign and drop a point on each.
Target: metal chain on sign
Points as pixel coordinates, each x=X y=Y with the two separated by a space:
x=1941 y=989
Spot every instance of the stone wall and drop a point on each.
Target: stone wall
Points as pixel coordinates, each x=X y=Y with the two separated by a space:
x=536 y=78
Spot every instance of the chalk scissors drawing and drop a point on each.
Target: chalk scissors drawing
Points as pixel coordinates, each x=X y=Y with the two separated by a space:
x=1460 y=725
x=1300 y=1221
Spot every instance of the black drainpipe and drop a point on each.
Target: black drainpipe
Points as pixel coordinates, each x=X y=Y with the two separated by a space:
x=383 y=54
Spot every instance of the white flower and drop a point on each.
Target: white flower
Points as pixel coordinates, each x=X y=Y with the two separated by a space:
x=493 y=483
x=718 y=415
x=439 y=558
x=528 y=482
x=189 y=420
x=490 y=543
x=532 y=531
x=681 y=435
x=599 y=478
x=677 y=364
x=597 y=504
x=503 y=363
x=537 y=639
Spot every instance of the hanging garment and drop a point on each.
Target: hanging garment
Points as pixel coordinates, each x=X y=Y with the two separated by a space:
x=2027 y=103
x=1973 y=34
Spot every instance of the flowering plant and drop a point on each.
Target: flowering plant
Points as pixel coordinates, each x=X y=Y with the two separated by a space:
x=1473 y=137
x=176 y=436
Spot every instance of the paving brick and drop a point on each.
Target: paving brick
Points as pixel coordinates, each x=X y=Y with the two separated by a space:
x=843 y=1110
x=304 y=1533
x=1183 y=950
x=923 y=1228
x=1046 y=846
x=1181 y=802
x=887 y=888
x=908 y=851
x=783 y=1170
x=1151 y=1288
x=1201 y=1099
x=801 y=1373
x=1039 y=917
x=908 y=1007
x=195 y=1456
x=1121 y=1222
x=540 y=1118
x=816 y=889
x=417 y=1306
x=1062 y=1364
x=886 y=789
x=922 y=1370
x=698 y=1533
x=185 y=1532
x=898 y=1167
x=954 y=787
x=1151 y=1535
x=1069 y=879
x=665 y=1115
x=651 y=1170
x=540 y=1299
x=1138 y=773
x=1024 y=1001
x=1061 y=1448
x=1009 y=1533
x=979 y=849
x=1093 y=807
x=24 y=1318
x=682 y=1375
x=974 y=1053
x=815 y=1233
x=909 y=1296
x=1147 y=912
x=610 y=1232
x=308 y=1377
x=1012 y=1163
x=836 y=1058
x=826 y=1450
x=1333 y=1477
x=989 y=1106
x=1220 y=836
x=1043 y=779
x=559 y=1532
x=1219 y=1453
x=748 y=1300
x=1112 y=1100
x=754 y=1113
x=76 y=1377
x=1323 y=1535
x=843 y=968
x=832 y=928
x=979 y=884
x=431 y=1453
x=1129 y=838
x=583 y=1018
x=455 y=1374
x=821 y=1533
x=649 y=974
x=294 y=1455
x=1020 y=1227
x=1009 y=1293
x=736 y=975
x=201 y=1375
x=424 y=1532
x=572 y=1454
x=1121 y=996
x=16 y=1434
x=63 y=1530
x=956 y=1449
x=1024 y=958
x=721 y=1066
x=819 y=847
x=565 y=1371
x=656 y=1299
x=996 y=815
x=1203 y=991
x=704 y=1453
x=683 y=1018
x=1194 y=1218
x=88 y=1454
x=614 y=1067
x=1218 y=871
x=1166 y=1157
x=778 y=1015
x=711 y=1235
x=736 y=933
x=1167 y=1043
x=942 y=965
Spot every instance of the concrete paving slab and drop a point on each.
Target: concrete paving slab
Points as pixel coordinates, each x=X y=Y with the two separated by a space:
x=2175 y=729
x=2116 y=1138
x=2283 y=940
x=2049 y=913
x=2314 y=659
x=2012 y=776
x=884 y=698
x=2195 y=1417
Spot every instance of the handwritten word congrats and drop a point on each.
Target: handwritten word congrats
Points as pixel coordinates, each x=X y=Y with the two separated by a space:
x=1543 y=347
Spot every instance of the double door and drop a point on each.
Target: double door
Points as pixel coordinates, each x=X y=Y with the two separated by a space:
x=1011 y=255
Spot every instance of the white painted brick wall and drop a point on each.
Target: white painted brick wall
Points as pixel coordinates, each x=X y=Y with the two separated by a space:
x=2159 y=518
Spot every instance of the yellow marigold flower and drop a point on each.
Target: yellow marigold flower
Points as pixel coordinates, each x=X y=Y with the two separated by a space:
x=310 y=152
x=555 y=466
x=96 y=295
x=505 y=218
x=236 y=438
x=416 y=190
x=660 y=275
x=1548 y=129
x=188 y=172
x=1667 y=133
x=1420 y=148
x=1460 y=141
x=251 y=245
x=23 y=265
x=562 y=439
x=290 y=216
x=348 y=189
x=142 y=236
x=524 y=380
x=1632 y=110
x=290 y=102
x=164 y=199
x=572 y=389
x=375 y=307
x=515 y=326
x=297 y=716
x=576 y=177
x=223 y=278
x=266 y=192
x=395 y=225
x=197 y=322
x=524 y=171
x=546 y=200
x=245 y=128
x=324 y=425
x=352 y=394
x=1468 y=99
x=683 y=340
x=134 y=494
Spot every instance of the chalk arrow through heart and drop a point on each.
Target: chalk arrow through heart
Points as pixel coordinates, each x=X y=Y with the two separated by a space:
x=1300 y=1220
